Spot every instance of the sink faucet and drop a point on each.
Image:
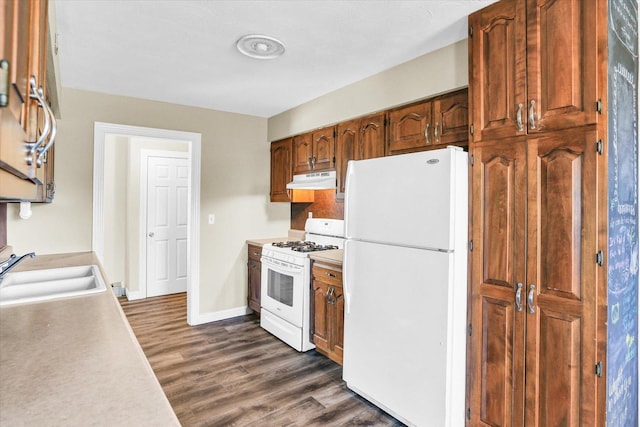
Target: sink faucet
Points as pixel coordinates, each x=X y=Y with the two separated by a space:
x=8 y=264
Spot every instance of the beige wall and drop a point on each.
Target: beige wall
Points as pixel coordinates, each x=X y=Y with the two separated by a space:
x=440 y=71
x=234 y=186
x=235 y=165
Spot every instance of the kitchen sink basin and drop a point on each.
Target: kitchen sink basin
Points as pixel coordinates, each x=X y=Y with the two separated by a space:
x=41 y=285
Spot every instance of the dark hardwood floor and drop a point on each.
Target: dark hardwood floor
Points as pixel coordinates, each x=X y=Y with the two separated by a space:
x=234 y=373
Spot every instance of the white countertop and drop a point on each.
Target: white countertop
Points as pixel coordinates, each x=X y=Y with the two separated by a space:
x=75 y=362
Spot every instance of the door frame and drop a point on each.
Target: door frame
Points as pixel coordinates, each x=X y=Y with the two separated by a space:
x=100 y=132
x=144 y=181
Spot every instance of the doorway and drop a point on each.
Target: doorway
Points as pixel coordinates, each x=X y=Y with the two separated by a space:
x=123 y=135
x=164 y=204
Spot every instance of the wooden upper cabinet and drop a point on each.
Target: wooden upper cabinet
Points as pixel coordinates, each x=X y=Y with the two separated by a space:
x=314 y=151
x=23 y=121
x=497 y=73
x=23 y=56
x=346 y=149
x=280 y=169
x=561 y=64
x=451 y=118
x=324 y=143
x=371 y=137
x=410 y=128
x=442 y=120
x=532 y=67
x=302 y=153
x=358 y=139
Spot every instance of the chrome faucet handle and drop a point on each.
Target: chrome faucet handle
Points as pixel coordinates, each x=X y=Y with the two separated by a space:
x=7 y=261
x=8 y=265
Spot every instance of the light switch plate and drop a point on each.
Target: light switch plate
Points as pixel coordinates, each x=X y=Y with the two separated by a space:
x=211 y=218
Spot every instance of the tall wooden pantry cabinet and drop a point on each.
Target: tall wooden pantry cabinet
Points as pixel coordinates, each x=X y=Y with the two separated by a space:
x=540 y=154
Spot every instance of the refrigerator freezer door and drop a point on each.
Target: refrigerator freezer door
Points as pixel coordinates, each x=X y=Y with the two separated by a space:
x=407 y=200
x=404 y=332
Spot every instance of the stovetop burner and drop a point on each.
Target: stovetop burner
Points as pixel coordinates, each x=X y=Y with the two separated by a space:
x=304 y=246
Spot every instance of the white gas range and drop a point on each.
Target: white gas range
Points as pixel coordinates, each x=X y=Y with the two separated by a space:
x=286 y=281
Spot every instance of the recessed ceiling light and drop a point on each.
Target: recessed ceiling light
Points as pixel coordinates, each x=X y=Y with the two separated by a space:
x=260 y=47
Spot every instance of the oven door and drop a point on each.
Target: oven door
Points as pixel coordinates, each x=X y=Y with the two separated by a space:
x=282 y=290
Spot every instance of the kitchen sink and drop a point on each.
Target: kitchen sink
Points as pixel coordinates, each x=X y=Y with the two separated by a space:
x=41 y=285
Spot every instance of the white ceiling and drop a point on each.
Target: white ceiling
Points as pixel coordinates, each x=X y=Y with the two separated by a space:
x=183 y=51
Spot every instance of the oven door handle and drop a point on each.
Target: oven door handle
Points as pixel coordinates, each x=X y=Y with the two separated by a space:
x=281 y=267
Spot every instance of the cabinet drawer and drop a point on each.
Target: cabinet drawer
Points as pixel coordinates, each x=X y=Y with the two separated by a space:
x=255 y=252
x=328 y=275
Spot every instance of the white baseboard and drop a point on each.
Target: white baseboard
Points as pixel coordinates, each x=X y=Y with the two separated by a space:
x=222 y=315
x=134 y=295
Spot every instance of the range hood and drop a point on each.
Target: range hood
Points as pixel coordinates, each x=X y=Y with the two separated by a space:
x=313 y=181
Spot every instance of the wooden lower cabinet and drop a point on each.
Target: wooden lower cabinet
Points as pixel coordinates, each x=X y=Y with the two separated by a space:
x=328 y=311
x=533 y=281
x=255 y=277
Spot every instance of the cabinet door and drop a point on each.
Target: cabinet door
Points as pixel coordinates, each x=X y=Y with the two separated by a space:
x=324 y=142
x=254 y=264
x=497 y=73
x=451 y=118
x=345 y=151
x=371 y=137
x=561 y=279
x=561 y=64
x=337 y=340
x=255 y=277
x=321 y=335
x=410 y=128
x=280 y=170
x=18 y=48
x=499 y=193
x=302 y=153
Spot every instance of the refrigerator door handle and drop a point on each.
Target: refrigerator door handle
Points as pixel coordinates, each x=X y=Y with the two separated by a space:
x=345 y=279
x=347 y=184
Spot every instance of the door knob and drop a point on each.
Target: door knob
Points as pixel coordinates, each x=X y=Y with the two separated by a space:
x=151 y=234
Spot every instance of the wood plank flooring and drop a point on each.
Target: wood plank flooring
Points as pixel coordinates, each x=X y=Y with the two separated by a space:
x=234 y=373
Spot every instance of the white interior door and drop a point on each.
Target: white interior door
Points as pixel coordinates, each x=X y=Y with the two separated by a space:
x=167 y=220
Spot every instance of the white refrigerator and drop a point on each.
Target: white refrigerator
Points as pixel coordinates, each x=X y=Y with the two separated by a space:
x=405 y=284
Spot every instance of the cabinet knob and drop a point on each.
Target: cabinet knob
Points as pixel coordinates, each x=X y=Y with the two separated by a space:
x=519 y=297
x=532 y=114
x=532 y=291
x=331 y=296
x=331 y=275
x=4 y=83
x=151 y=234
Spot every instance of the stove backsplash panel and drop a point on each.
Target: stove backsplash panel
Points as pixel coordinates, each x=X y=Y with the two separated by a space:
x=324 y=206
